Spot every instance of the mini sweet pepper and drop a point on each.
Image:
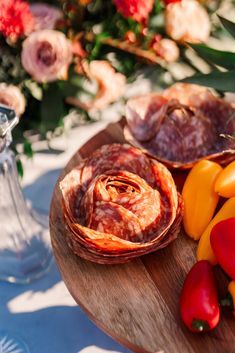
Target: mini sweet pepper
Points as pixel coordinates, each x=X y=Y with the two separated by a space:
x=223 y=244
x=204 y=250
x=225 y=183
x=199 y=306
x=200 y=198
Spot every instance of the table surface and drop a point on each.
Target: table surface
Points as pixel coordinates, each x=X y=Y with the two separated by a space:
x=43 y=313
x=137 y=302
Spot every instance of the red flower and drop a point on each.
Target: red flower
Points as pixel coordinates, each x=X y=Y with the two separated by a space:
x=137 y=9
x=16 y=19
x=167 y=2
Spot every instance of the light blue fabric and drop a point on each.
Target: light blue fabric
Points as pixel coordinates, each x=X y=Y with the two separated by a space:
x=52 y=328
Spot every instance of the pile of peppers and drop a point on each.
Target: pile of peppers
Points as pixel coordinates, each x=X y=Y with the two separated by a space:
x=206 y=184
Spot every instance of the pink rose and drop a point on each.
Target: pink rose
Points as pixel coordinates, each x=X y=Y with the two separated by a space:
x=111 y=85
x=11 y=96
x=46 y=55
x=187 y=21
x=45 y=16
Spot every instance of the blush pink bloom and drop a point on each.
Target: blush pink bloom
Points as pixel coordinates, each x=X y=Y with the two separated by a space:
x=46 y=55
x=111 y=86
x=139 y=10
x=167 y=49
x=45 y=16
x=11 y=96
x=188 y=94
x=187 y=21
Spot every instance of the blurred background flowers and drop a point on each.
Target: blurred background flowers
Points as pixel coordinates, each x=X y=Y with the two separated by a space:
x=58 y=57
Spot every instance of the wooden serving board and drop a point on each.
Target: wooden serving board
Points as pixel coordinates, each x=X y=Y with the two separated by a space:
x=136 y=303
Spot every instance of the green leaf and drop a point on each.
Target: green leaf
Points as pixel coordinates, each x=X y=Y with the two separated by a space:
x=230 y=26
x=221 y=81
x=27 y=147
x=98 y=44
x=218 y=57
x=70 y=89
x=20 y=168
x=52 y=107
x=34 y=88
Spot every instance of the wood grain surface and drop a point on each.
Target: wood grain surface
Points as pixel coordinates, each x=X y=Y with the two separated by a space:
x=136 y=303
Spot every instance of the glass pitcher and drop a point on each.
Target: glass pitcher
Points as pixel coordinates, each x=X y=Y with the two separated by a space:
x=25 y=250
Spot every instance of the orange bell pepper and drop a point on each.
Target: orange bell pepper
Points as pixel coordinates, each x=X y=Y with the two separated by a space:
x=225 y=183
x=200 y=198
x=204 y=250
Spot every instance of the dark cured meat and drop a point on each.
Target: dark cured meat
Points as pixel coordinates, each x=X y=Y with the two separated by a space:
x=119 y=204
x=181 y=126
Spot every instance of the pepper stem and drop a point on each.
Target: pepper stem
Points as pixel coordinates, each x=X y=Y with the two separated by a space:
x=200 y=325
x=227 y=301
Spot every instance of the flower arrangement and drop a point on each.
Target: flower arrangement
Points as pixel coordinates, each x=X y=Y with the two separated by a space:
x=49 y=50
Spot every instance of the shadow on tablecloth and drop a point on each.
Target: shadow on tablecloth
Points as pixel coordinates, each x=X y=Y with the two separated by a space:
x=43 y=313
x=34 y=313
x=39 y=193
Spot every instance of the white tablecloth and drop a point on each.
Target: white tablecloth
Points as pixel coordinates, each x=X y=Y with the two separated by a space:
x=43 y=313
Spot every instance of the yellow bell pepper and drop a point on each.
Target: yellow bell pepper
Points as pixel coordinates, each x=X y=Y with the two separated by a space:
x=204 y=250
x=225 y=183
x=200 y=198
x=231 y=290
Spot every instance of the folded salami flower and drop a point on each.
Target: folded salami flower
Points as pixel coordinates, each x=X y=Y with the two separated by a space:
x=182 y=125
x=119 y=204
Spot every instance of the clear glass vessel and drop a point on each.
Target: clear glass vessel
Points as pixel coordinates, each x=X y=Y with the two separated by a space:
x=25 y=250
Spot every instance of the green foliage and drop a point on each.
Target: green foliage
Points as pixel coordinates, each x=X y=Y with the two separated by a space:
x=33 y=88
x=217 y=57
x=20 y=168
x=11 y=69
x=52 y=107
x=27 y=148
x=91 y=25
x=230 y=26
x=223 y=81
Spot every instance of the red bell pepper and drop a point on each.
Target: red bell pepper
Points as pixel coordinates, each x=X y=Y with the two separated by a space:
x=199 y=305
x=222 y=240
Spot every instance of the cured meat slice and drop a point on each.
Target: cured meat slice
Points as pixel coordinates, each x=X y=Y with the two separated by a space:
x=143 y=114
x=117 y=157
x=119 y=204
x=181 y=126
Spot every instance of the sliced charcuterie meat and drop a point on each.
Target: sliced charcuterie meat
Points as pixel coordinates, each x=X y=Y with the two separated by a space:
x=119 y=204
x=182 y=125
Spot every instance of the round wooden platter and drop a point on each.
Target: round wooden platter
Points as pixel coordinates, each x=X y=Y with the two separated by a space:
x=136 y=303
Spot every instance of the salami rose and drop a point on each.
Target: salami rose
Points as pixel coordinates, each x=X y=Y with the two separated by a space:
x=182 y=125
x=119 y=204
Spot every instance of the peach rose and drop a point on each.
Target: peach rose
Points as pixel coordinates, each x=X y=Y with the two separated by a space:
x=111 y=85
x=46 y=55
x=167 y=49
x=11 y=96
x=45 y=16
x=187 y=21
